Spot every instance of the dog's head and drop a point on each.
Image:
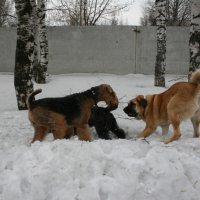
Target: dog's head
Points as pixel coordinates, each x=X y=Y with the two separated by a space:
x=136 y=107
x=107 y=94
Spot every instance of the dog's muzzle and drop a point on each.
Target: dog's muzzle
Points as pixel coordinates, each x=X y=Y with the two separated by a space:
x=130 y=111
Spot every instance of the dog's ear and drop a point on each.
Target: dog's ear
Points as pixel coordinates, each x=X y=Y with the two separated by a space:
x=143 y=103
x=108 y=88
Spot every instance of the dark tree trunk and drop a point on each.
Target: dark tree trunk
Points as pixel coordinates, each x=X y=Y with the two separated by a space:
x=161 y=43
x=194 y=41
x=24 y=53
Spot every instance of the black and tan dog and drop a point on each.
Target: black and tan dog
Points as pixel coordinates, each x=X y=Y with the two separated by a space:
x=180 y=102
x=60 y=115
x=104 y=122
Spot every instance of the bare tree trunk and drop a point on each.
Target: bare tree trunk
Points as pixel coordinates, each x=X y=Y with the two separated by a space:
x=24 y=53
x=81 y=13
x=85 y=12
x=161 y=43
x=40 y=70
x=34 y=27
x=194 y=41
x=167 y=11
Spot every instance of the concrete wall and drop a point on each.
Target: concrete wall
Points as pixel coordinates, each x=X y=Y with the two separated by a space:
x=104 y=49
x=177 y=56
x=7 y=49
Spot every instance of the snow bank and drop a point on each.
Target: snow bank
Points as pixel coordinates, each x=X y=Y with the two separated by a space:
x=99 y=170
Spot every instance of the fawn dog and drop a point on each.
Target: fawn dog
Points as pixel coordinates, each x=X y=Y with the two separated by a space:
x=180 y=102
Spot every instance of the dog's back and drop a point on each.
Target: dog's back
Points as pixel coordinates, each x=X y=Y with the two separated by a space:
x=104 y=122
x=69 y=106
x=179 y=93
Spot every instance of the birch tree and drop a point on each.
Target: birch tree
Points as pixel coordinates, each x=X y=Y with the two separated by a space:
x=40 y=69
x=34 y=27
x=40 y=61
x=161 y=43
x=24 y=53
x=194 y=41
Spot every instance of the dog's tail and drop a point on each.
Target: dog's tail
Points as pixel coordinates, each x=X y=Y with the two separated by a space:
x=195 y=78
x=31 y=98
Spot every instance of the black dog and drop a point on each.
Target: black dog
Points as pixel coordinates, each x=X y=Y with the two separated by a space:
x=59 y=115
x=104 y=122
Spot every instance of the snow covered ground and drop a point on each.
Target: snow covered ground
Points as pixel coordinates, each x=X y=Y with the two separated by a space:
x=118 y=169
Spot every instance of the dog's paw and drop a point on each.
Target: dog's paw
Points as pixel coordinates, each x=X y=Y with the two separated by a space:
x=140 y=138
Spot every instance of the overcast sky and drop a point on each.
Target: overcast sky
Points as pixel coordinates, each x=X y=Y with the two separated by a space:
x=132 y=17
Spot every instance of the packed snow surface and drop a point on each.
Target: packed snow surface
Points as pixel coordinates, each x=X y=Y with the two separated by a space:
x=118 y=169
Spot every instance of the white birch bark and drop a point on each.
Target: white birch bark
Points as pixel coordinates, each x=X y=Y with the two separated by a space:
x=34 y=26
x=43 y=43
x=194 y=41
x=24 y=53
x=161 y=43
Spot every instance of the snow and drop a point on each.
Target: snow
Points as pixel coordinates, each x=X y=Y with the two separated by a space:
x=117 y=169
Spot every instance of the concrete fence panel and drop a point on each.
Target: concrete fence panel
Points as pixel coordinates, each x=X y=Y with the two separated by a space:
x=104 y=49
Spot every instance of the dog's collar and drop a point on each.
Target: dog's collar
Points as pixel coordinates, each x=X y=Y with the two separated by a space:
x=144 y=106
x=94 y=94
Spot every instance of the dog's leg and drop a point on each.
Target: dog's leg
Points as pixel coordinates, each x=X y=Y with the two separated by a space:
x=119 y=133
x=40 y=133
x=165 y=130
x=175 y=120
x=59 y=133
x=116 y=130
x=69 y=132
x=83 y=133
x=147 y=131
x=102 y=132
x=195 y=122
